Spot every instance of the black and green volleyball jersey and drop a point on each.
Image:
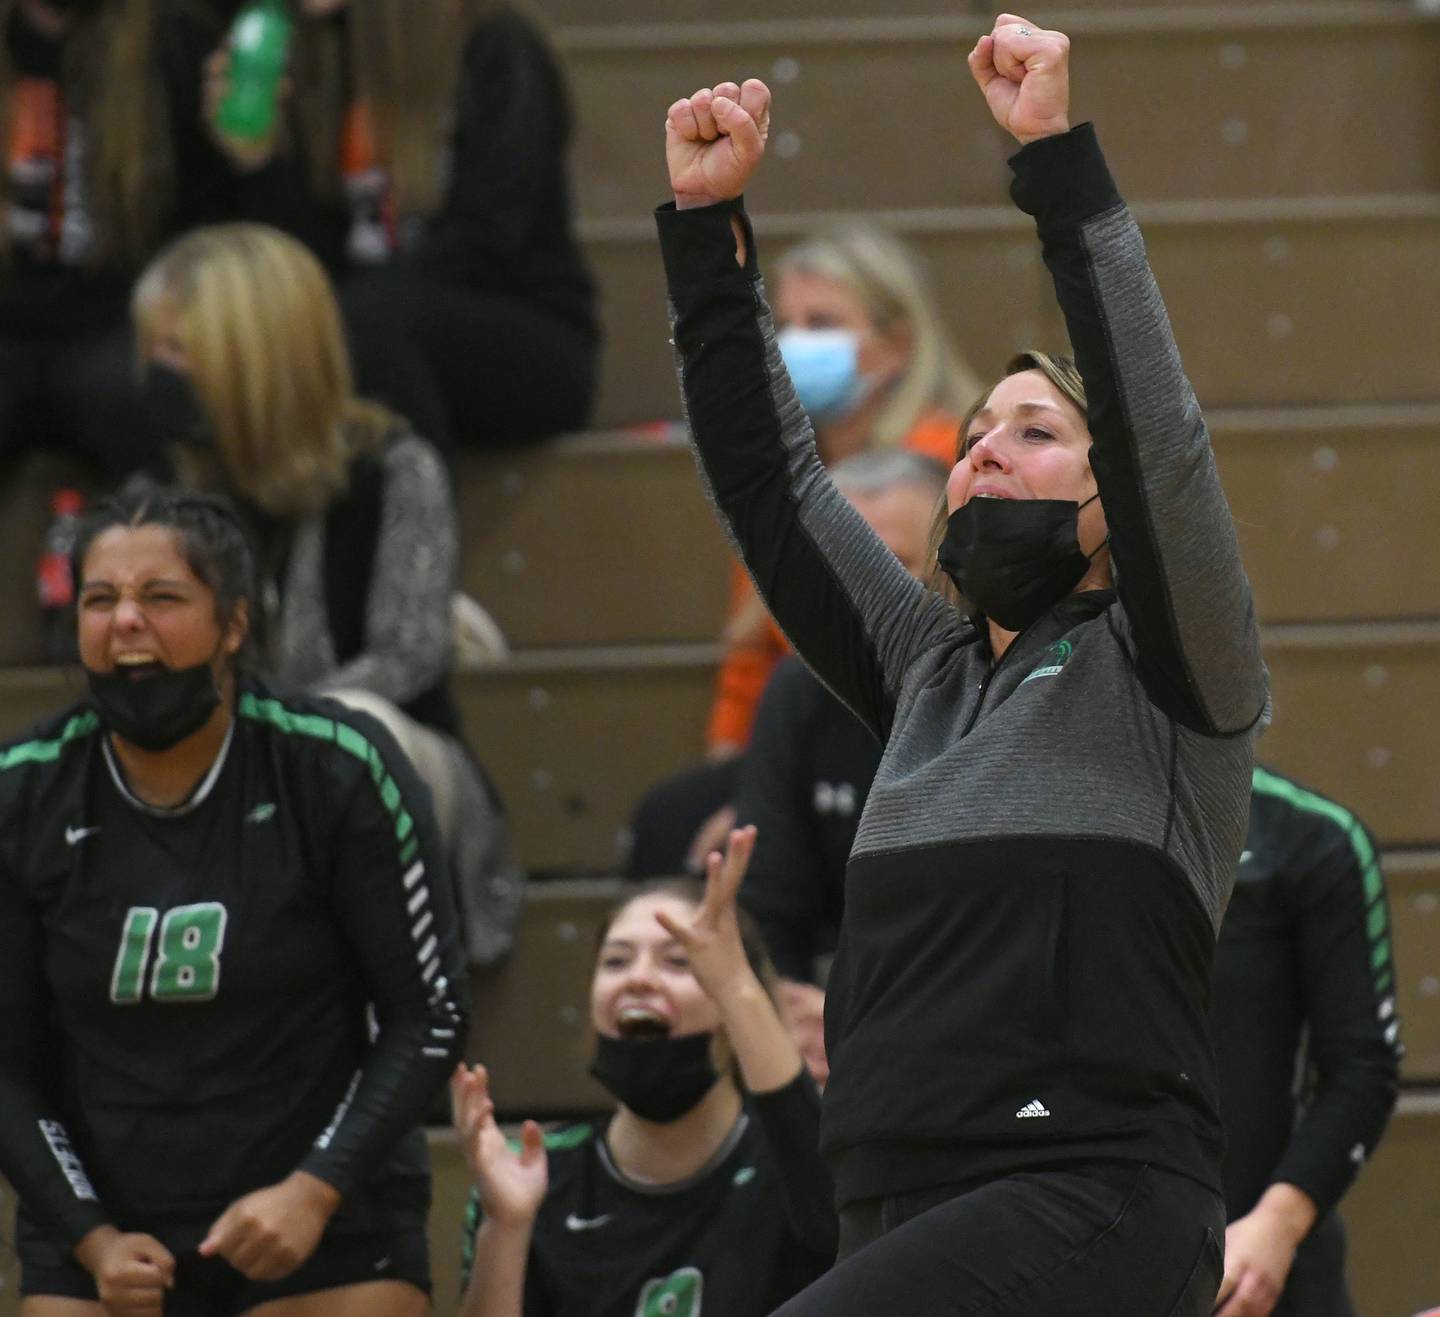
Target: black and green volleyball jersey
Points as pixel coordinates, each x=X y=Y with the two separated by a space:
x=737 y=1239
x=196 y=1002
x=1303 y=1003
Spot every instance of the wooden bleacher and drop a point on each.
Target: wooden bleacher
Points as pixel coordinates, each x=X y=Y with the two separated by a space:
x=1290 y=211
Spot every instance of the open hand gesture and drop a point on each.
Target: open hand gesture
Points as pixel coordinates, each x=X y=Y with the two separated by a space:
x=512 y=1185
x=711 y=935
x=714 y=140
x=1024 y=72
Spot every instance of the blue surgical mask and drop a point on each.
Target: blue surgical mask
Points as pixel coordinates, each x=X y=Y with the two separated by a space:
x=825 y=370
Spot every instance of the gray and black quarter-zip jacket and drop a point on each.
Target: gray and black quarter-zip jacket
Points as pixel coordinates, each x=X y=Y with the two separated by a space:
x=1032 y=901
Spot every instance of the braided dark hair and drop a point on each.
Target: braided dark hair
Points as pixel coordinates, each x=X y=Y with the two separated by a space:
x=213 y=539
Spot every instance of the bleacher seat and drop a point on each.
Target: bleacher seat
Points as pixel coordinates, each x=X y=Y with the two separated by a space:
x=1413 y=880
x=597 y=540
x=1357 y=716
x=575 y=738
x=1390 y=1216
x=1335 y=508
x=877 y=112
x=1298 y=303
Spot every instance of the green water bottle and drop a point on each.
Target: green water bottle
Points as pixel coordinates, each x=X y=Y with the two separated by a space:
x=259 y=47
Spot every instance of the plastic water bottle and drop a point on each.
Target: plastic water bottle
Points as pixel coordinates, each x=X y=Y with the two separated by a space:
x=259 y=47
x=54 y=577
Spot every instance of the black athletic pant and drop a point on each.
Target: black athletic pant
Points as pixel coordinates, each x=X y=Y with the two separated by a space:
x=466 y=370
x=79 y=396
x=1102 y=1240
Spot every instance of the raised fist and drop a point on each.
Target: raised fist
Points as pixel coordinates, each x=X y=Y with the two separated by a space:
x=1024 y=72
x=714 y=139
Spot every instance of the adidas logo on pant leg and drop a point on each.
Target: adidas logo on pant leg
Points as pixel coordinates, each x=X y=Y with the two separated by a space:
x=1032 y=1108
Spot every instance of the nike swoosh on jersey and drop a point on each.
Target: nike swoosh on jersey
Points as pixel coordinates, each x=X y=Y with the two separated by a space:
x=73 y=836
x=573 y=1222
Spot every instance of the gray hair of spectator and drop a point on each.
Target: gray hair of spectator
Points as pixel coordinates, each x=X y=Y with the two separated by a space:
x=892 y=285
x=880 y=469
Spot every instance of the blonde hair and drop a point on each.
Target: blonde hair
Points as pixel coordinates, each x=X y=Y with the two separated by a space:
x=890 y=282
x=258 y=320
x=1063 y=373
x=402 y=60
x=109 y=76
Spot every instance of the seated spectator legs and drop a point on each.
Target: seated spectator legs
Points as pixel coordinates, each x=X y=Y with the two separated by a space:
x=501 y=371
x=79 y=396
x=93 y=395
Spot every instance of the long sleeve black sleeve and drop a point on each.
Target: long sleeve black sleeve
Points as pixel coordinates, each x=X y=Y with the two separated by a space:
x=36 y=1154
x=1177 y=558
x=851 y=610
x=790 y=1119
x=395 y=904
x=1342 y=932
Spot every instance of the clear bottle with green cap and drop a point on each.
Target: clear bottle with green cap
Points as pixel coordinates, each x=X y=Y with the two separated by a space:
x=259 y=47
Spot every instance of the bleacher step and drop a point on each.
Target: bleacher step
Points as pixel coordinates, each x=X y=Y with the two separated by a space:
x=1277 y=303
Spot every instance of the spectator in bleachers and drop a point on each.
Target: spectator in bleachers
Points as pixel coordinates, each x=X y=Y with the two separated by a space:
x=429 y=141
x=707 y=1179
x=1022 y=1112
x=247 y=374
x=874 y=366
x=1307 y=1042
x=231 y=981
x=877 y=369
x=105 y=157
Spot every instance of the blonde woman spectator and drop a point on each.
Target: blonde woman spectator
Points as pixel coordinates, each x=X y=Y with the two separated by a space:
x=104 y=159
x=247 y=373
x=875 y=368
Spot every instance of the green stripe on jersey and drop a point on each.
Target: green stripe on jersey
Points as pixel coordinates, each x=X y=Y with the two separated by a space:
x=44 y=752
x=1376 y=923
x=342 y=734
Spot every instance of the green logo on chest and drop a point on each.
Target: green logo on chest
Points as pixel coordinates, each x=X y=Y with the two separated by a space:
x=676 y=1295
x=1052 y=660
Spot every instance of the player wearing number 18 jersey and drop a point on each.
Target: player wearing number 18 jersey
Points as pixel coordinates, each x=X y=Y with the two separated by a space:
x=255 y=986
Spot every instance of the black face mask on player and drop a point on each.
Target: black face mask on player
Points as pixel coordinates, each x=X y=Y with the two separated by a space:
x=1012 y=558
x=659 y=1079
x=158 y=709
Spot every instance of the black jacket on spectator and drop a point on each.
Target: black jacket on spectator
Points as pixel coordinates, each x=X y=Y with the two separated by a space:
x=803 y=782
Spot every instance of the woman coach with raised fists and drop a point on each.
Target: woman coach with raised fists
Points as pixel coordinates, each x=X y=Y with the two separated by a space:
x=1021 y=1114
